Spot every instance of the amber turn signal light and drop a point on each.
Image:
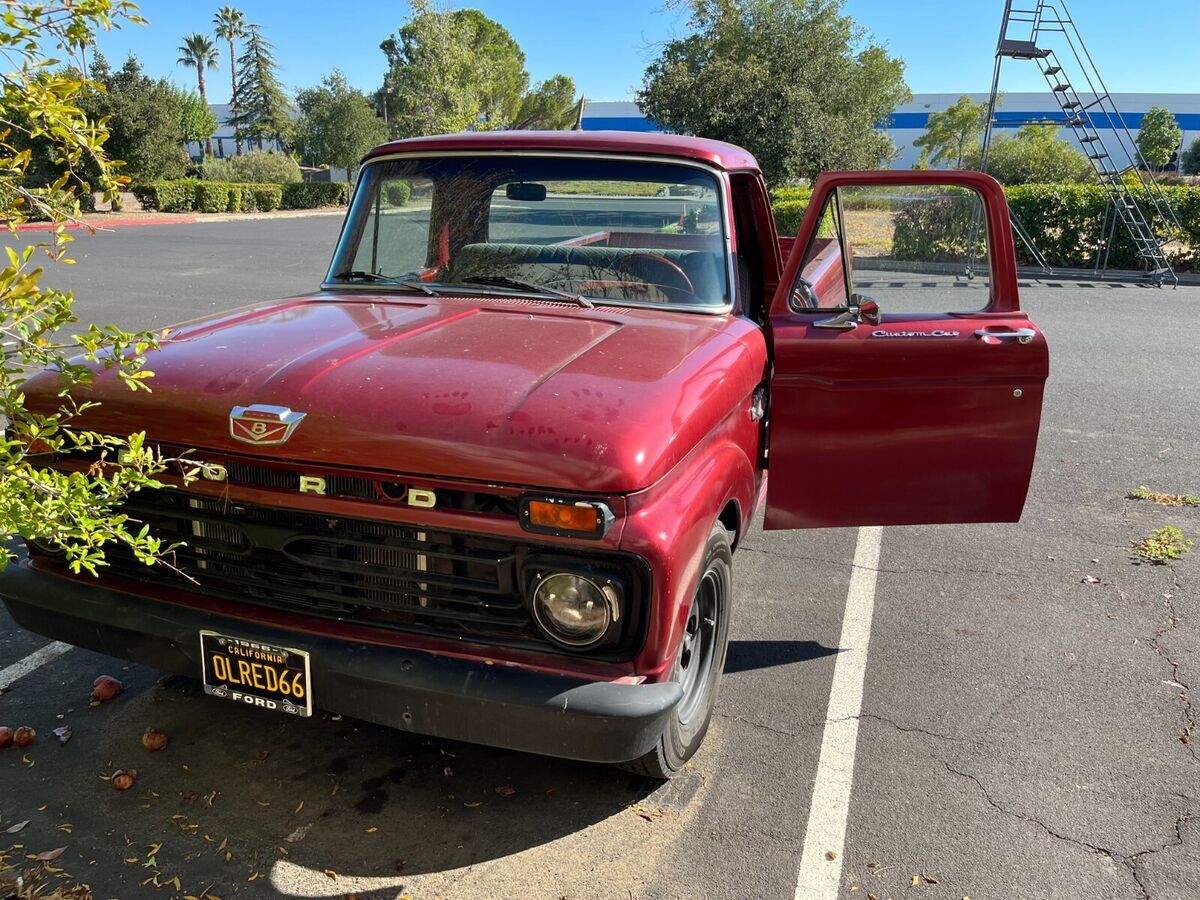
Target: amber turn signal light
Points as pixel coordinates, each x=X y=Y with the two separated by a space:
x=578 y=518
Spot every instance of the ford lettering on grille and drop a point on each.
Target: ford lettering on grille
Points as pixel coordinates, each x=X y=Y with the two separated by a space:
x=262 y=424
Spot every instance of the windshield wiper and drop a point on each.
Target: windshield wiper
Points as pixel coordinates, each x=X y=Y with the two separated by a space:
x=530 y=287
x=404 y=281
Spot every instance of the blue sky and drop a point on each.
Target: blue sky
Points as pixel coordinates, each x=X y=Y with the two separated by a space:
x=605 y=46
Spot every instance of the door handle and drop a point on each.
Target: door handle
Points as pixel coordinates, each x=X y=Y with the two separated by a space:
x=1023 y=335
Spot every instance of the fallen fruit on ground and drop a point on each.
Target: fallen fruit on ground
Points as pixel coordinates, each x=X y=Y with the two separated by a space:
x=24 y=736
x=6 y=737
x=123 y=779
x=154 y=740
x=105 y=688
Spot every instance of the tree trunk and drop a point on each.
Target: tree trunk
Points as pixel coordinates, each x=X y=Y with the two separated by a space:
x=204 y=100
x=237 y=133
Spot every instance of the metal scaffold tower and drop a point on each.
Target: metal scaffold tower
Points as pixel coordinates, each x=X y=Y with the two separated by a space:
x=1120 y=168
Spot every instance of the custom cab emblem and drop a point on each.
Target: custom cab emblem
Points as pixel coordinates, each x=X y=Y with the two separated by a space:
x=262 y=424
x=935 y=333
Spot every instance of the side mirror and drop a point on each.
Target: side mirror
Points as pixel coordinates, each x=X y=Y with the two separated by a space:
x=868 y=310
x=863 y=311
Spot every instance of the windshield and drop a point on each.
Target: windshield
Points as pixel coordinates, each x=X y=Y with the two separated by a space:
x=605 y=230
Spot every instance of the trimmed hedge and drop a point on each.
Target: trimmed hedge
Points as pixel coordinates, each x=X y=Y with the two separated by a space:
x=191 y=195
x=312 y=194
x=397 y=193
x=167 y=196
x=212 y=197
x=267 y=196
x=1065 y=220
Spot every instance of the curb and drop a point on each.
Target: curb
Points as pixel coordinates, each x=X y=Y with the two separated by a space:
x=182 y=219
x=114 y=223
x=1119 y=276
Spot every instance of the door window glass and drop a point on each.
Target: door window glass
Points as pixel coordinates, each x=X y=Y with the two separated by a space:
x=912 y=248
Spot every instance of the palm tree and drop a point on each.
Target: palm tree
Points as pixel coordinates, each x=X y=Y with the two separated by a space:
x=199 y=52
x=231 y=25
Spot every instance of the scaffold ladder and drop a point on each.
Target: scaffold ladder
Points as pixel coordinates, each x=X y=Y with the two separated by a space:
x=1125 y=177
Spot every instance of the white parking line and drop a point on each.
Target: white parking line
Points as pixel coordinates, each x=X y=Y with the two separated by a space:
x=825 y=836
x=22 y=667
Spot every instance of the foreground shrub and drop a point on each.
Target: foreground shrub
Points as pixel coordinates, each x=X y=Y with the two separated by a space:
x=255 y=167
x=939 y=229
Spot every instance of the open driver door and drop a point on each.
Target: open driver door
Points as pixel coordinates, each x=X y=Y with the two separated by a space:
x=907 y=382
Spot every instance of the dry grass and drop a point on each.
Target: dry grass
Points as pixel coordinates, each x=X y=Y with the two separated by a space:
x=1144 y=493
x=871 y=231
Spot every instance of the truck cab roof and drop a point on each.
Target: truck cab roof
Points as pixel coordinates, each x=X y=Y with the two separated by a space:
x=714 y=153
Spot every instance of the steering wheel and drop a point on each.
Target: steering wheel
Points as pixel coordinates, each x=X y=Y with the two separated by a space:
x=675 y=276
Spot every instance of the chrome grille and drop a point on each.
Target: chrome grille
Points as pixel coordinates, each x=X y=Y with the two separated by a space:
x=355 y=570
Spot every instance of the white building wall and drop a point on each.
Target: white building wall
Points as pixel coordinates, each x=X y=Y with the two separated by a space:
x=909 y=121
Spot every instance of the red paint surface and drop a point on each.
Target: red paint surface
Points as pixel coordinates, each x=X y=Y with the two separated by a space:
x=875 y=430
x=543 y=395
x=649 y=408
x=678 y=146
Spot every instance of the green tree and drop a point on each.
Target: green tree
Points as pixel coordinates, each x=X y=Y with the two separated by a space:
x=196 y=120
x=230 y=25
x=1035 y=155
x=796 y=82
x=143 y=120
x=1159 y=137
x=551 y=105
x=952 y=134
x=199 y=52
x=498 y=67
x=262 y=105
x=1190 y=161
x=337 y=124
x=453 y=70
x=431 y=86
x=75 y=512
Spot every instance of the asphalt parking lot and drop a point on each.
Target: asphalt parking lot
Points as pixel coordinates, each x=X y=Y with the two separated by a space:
x=1025 y=731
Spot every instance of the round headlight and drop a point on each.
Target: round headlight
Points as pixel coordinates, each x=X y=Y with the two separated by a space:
x=574 y=610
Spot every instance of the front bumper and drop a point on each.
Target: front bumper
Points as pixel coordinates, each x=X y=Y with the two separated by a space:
x=497 y=705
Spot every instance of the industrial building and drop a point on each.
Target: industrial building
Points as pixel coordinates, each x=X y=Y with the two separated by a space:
x=908 y=122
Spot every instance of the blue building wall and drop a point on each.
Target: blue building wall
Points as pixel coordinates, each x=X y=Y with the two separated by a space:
x=909 y=121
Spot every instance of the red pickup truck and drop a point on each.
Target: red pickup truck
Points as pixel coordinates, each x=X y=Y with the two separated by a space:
x=488 y=481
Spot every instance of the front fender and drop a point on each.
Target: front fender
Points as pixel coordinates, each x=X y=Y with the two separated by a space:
x=669 y=523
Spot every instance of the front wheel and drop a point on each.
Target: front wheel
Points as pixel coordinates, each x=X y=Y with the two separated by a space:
x=699 y=664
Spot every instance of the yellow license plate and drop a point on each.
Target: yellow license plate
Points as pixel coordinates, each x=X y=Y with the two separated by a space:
x=255 y=673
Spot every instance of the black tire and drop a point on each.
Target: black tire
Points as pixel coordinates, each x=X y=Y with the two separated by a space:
x=698 y=666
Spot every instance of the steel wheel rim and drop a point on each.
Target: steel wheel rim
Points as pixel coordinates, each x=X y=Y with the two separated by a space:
x=698 y=647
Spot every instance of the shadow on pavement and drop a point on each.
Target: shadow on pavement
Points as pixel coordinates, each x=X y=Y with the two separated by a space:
x=745 y=656
x=322 y=807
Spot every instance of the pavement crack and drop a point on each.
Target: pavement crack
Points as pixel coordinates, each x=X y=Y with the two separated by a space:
x=753 y=724
x=983 y=791
x=907 y=729
x=820 y=723
x=1130 y=860
x=1191 y=727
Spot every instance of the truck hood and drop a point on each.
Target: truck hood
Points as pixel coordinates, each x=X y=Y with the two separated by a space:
x=510 y=391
